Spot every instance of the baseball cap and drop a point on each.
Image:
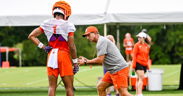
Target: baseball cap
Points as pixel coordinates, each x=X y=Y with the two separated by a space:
x=142 y=34
x=90 y=29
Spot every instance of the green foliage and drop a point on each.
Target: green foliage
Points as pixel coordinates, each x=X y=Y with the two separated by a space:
x=16 y=55
x=175 y=42
x=166 y=49
x=32 y=55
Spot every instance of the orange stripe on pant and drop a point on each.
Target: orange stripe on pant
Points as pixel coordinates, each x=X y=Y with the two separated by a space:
x=64 y=65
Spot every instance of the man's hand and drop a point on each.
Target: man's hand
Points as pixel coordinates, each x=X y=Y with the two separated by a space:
x=82 y=60
x=76 y=68
x=47 y=48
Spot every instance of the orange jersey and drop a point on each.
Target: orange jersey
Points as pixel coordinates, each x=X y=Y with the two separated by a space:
x=141 y=54
x=128 y=43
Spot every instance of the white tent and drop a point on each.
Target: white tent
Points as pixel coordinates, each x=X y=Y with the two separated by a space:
x=86 y=12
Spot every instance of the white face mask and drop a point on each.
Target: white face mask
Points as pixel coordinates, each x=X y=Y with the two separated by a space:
x=58 y=10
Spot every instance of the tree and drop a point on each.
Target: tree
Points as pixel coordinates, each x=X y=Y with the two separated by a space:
x=167 y=47
x=181 y=78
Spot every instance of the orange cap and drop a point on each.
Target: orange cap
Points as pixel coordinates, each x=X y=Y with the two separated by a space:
x=90 y=29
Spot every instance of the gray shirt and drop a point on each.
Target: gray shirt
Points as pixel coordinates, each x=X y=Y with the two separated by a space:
x=113 y=60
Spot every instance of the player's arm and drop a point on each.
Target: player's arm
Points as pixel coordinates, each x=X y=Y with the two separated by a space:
x=33 y=37
x=134 y=56
x=97 y=60
x=72 y=45
x=72 y=48
x=148 y=39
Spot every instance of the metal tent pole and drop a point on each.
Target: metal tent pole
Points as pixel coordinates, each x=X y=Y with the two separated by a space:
x=117 y=32
x=7 y=54
x=105 y=29
x=20 y=57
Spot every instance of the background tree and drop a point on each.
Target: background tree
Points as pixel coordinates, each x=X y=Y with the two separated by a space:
x=181 y=78
x=166 y=49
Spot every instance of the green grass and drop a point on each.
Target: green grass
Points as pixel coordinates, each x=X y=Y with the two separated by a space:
x=37 y=76
x=32 y=81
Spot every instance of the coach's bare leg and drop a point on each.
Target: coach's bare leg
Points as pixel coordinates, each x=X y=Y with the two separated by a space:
x=52 y=85
x=101 y=88
x=139 y=85
x=68 y=83
x=124 y=92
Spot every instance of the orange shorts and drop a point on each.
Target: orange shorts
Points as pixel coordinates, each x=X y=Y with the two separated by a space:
x=64 y=65
x=128 y=52
x=118 y=79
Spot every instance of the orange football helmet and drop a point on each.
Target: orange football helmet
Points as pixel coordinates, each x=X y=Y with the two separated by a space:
x=64 y=6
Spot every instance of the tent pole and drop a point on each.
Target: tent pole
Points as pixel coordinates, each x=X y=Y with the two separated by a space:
x=105 y=29
x=7 y=52
x=117 y=32
x=20 y=58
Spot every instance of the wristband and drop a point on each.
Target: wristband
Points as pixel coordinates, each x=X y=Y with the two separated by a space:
x=75 y=60
x=40 y=45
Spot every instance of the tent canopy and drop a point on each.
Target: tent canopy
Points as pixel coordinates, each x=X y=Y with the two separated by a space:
x=86 y=12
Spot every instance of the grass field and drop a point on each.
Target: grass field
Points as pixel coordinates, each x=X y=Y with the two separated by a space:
x=32 y=81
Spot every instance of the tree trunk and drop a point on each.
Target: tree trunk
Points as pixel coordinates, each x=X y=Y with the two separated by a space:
x=181 y=78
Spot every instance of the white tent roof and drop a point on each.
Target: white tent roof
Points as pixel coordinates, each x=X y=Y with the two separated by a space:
x=85 y=12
